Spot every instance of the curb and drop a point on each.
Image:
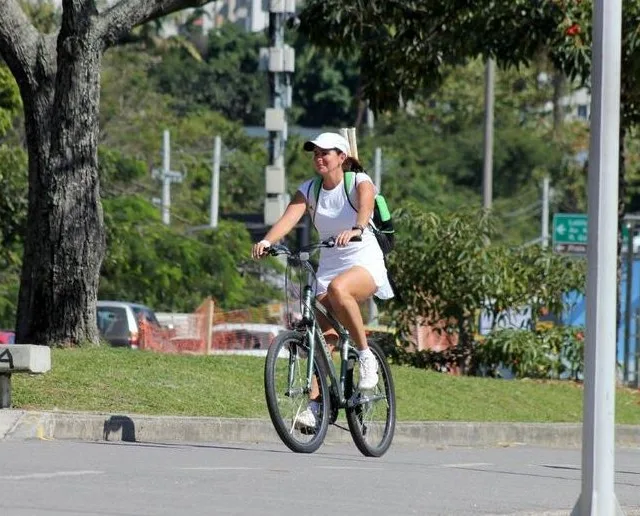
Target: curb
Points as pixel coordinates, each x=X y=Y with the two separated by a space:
x=20 y=425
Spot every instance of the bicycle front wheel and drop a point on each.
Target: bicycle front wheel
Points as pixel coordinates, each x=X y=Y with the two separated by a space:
x=371 y=414
x=288 y=393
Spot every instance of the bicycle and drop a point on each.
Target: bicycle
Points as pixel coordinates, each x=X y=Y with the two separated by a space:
x=297 y=357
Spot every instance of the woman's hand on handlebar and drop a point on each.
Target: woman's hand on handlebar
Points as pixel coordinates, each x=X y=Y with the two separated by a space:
x=350 y=235
x=260 y=249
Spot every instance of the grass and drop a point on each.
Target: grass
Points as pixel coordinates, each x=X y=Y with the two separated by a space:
x=111 y=380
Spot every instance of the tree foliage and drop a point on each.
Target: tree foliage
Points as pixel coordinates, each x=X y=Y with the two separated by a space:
x=547 y=352
x=58 y=75
x=431 y=148
x=450 y=274
x=403 y=46
x=151 y=263
x=227 y=80
x=13 y=203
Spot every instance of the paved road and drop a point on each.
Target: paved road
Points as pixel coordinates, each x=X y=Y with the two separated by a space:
x=51 y=478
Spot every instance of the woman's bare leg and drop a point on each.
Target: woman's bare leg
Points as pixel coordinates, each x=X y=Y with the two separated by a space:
x=345 y=293
x=330 y=336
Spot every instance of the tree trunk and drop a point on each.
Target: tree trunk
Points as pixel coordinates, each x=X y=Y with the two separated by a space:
x=65 y=240
x=60 y=88
x=361 y=107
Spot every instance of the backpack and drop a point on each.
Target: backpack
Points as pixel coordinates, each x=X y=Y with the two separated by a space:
x=382 y=222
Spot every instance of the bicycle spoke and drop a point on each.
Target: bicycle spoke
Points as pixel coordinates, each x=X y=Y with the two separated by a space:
x=371 y=413
x=288 y=394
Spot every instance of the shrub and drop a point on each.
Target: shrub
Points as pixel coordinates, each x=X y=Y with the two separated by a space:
x=556 y=352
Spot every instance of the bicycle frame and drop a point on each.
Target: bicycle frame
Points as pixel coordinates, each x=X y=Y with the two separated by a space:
x=314 y=335
x=337 y=386
x=309 y=324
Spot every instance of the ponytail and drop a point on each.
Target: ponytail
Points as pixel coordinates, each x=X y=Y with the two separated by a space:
x=351 y=164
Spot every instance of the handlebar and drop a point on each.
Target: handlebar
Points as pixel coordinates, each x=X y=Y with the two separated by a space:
x=280 y=249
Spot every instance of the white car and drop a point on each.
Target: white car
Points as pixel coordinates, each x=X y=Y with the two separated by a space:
x=118 y=321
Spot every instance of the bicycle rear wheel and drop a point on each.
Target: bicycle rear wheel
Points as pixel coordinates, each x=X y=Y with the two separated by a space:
x=287 y=394
x=371 y=414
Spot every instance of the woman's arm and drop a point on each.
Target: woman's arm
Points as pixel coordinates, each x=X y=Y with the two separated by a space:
x=366 y=194
x=289 y=219
x=291 y=216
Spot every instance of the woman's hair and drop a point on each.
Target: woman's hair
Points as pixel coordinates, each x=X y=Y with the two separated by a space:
x=351 y=164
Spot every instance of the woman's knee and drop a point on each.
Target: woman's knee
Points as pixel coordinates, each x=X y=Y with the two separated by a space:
x=338 y=291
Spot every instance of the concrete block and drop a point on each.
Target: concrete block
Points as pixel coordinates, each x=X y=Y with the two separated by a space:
x=274 y=119
x=273 y=209
x=275 y=180
x=24 y=357
x=282 y=6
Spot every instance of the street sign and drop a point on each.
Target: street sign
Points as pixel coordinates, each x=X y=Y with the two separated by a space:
x=570 y=232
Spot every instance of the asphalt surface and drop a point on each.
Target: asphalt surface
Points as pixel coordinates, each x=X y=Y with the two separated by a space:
x=98 y=478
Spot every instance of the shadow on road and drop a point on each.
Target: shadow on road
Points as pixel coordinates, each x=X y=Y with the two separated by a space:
x=122 y=424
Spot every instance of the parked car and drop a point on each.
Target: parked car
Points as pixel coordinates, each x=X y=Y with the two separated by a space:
x=244 y=335
x=118 y=321
x=7 y=337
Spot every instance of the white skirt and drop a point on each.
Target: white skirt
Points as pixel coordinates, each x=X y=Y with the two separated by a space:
x=336 y=260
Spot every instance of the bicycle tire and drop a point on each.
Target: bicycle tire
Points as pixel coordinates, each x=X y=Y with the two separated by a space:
x=287 y=359
x=372 y=439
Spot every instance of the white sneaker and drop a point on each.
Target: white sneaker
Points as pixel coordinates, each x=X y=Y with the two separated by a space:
x=306 y=419
x=368 y=370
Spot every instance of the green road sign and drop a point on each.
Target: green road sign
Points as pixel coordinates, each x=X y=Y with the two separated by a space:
x=570 y=232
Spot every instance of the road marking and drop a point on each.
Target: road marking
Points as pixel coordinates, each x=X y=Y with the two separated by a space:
x=559 y=466
x=220 y=468
x=54 y=474
x=467 y=465
x=349 y=467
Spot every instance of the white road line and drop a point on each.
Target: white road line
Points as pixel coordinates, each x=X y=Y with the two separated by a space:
x=349 y=467
x=220 y=468
x=467 y=465
x=53 y=474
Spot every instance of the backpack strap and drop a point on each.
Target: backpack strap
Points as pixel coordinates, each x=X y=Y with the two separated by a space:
x=313 y=194
x=349 y=183
x=350 y=190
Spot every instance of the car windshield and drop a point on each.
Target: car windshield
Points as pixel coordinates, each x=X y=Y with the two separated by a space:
x=148 y=315
x=112 y=321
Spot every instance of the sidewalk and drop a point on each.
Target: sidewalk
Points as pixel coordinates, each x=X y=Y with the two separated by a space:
x=20 y=424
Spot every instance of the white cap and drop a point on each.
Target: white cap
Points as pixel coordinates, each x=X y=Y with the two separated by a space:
x=328 y=141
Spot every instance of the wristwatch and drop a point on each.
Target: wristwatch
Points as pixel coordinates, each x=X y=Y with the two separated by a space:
x=360 y=227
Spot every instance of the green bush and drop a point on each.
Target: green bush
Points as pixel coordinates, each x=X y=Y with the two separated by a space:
x=457 y=359
x=445 y=270
x=556 y=352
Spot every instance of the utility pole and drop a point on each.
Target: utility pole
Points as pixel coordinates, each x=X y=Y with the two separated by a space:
x=280 y=63
x=487 y=168
x=597 y=496
x=370 y=121
x=377 y=167
x=167 y=176
x=215 y=183
x=544 y=235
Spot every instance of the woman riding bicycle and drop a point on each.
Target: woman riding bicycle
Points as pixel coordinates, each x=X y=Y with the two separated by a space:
x=350 y=272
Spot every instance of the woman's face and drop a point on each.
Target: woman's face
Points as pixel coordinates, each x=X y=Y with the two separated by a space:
x=327 y=160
